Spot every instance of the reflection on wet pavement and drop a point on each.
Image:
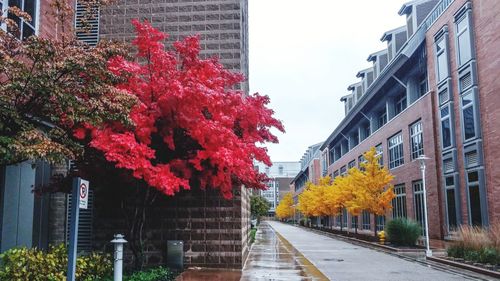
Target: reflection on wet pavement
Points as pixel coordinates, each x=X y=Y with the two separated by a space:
x=273 y=258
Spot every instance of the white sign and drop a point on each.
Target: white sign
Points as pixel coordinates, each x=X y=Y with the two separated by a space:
x=84 y=194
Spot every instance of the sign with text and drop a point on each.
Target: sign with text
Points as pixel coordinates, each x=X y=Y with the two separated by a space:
x=84 y=194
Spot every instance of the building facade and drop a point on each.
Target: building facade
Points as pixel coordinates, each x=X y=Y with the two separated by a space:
x=431 y=91
x=280 y=175
x=214 y=230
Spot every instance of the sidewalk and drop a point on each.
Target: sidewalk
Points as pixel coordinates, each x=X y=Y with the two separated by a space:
x=273 y=258
x=340 y=260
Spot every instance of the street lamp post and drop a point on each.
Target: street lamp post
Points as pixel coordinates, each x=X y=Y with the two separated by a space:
x=422 y=159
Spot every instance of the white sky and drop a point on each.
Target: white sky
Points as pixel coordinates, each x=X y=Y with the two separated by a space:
x=304 y=54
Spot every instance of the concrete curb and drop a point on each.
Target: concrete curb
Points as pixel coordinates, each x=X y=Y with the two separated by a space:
x=466 y=266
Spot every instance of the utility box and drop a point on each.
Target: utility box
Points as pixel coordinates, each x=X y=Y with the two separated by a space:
x=175 y=254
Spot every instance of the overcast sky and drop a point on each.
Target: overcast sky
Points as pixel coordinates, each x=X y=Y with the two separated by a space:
x=304 y=54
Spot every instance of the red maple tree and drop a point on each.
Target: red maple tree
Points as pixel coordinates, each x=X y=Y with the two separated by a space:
x=192 y=127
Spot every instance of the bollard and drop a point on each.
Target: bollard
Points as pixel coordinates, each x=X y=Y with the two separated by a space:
x=118 y=257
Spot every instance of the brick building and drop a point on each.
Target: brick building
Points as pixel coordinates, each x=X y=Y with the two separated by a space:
x=214 y=230
x=431 y=91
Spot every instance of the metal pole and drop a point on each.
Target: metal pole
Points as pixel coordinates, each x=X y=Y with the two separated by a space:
x=428 y=251
x=118 y=257
x=73 y=233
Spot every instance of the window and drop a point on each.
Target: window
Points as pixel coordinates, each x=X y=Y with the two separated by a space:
x=380 y=153
x=336 y=174
x=343 y=170
x=361 y=159
x=418 y=202
x=445 y=127
x=468 y=115
x=416 y=140
x=382 y=119
x=400 y=105
x=463 y=40
x=26 y=29
x=442 y=58
x=366 y=130
x=451 y=209
x=365 y=220
x=354 y=222
x=380 y=222
x=423 y=86
x=396 y=157
x=474 y=198
x=267 y=170
x=351 y=164
x=344 y=217
x=399 y=202
x=280 y=170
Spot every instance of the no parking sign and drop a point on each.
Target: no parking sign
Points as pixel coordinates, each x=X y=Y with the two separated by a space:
x=84 y=194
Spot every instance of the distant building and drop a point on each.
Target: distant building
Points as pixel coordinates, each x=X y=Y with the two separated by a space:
x=280 y=174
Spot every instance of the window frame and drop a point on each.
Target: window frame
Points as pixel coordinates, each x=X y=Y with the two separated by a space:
x=442 y=35
x=399 y=206
x=464 y=15
x=456 y=196
x=449 y=118
x=418 y=203
x=475 y=114
x=396 y=149
x=35 y=24
x=416 y=135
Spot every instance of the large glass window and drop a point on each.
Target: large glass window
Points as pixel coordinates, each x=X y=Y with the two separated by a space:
x=26 y=28
x=399 y=202
x=416 y=140
x=400 y=105
x=442 y=58
x=351 y=164
x=382 y=119
x=396 y=157
x=463 y=40
x=380 y=153
x=365 y=220
x=468 y=115
x=380 y=222
x=451 y=207
x=445 y=127
x=418 y=202
x=474 y=198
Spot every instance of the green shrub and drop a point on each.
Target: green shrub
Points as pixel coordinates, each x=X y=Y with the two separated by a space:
x=403 y=232
x=253 y=231
x=153 y=274
x=471 y=255
x=488 y=255
x=21 y=264
x=455 y=251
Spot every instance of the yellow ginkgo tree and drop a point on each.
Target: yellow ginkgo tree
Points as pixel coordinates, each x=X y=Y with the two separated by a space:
x=285 y=208
x=372 y=188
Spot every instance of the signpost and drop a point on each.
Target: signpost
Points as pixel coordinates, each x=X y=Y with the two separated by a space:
x=79 y=200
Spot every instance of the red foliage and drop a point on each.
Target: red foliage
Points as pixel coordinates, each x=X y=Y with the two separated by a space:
x=191 y=125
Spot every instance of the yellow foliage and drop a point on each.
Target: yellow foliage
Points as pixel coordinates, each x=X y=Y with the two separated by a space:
x=368 y=189
x=285 y=208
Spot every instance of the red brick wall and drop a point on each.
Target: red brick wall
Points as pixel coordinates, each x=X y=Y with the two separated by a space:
x=410 y=170
x=48 y=27
x=486 y=38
